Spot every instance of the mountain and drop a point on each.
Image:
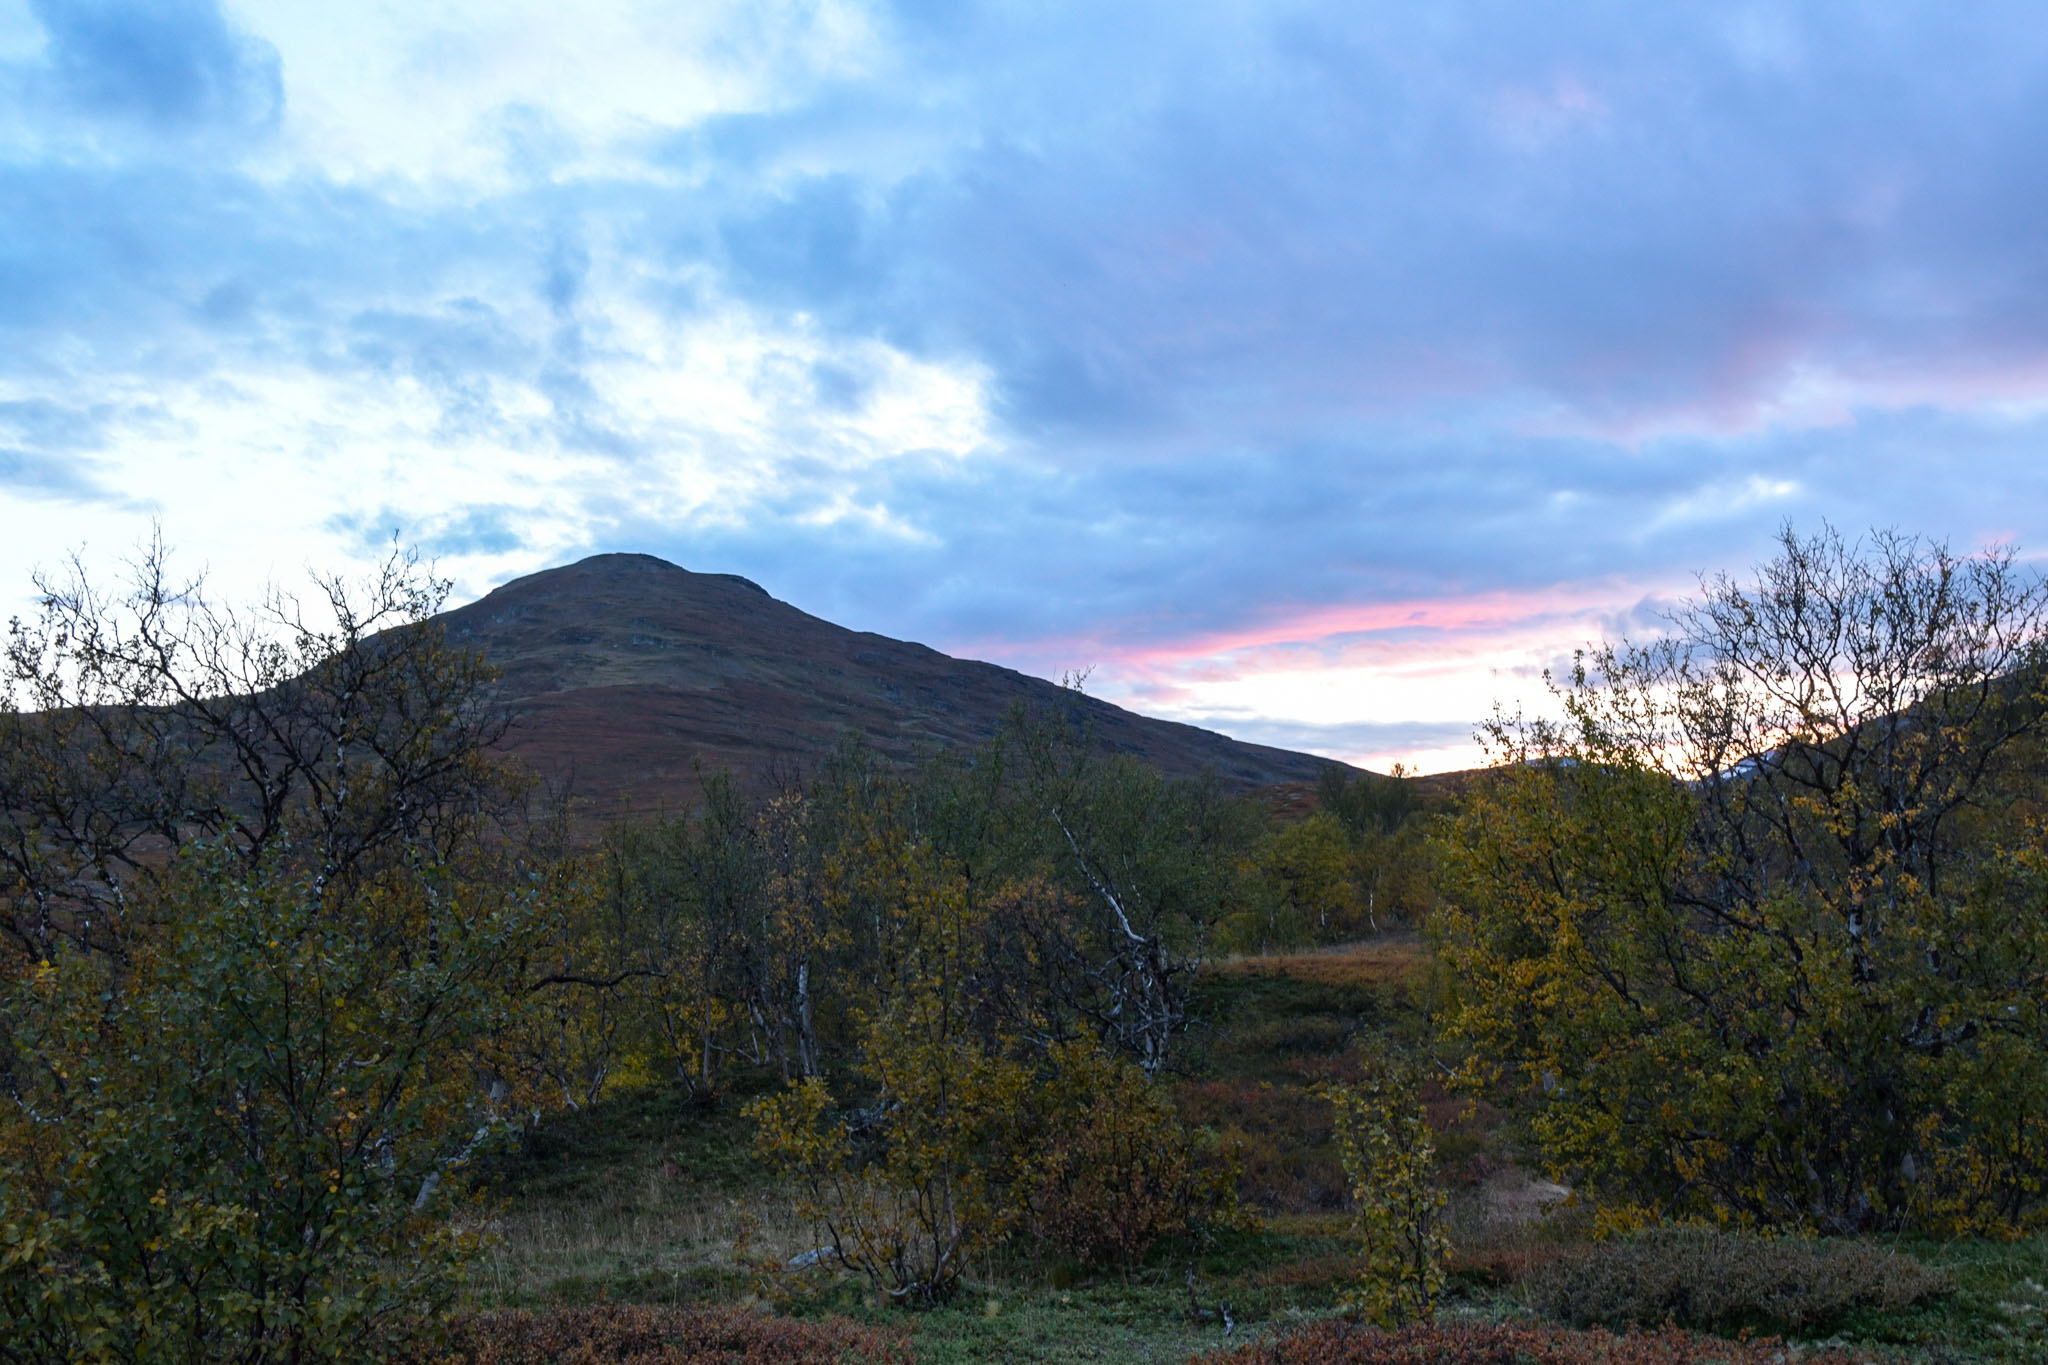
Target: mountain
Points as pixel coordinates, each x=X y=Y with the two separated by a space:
x=624 y=671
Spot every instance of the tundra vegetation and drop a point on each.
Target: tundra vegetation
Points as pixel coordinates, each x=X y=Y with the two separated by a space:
x=1714 y=1007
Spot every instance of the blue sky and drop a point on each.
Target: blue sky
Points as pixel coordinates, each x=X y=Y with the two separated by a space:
x=1319 y=372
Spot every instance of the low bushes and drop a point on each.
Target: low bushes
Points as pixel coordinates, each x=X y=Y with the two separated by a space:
x=1343 y=1343
x=635 y=1335
x=1702 y=1277
x=1114 y=1169
x=1080 y=1158
x=1283 y=1133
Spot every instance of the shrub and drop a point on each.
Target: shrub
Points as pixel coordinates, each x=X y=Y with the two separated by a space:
x=1086 y=1155
x=232 y=1149
x=909 y=1190
x=1744 y=932
x=1384 y=1139
x=1342 y=1343
x=903 y=1194
x=1116 y=1170
x=1703 y=1277
x=638 y=1335
x=968 y=1132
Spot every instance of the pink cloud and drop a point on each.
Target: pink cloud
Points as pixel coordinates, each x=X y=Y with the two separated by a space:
x=1488 y=611
x=1443 y=637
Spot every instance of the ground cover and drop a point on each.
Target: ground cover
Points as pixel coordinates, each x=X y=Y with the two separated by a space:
x=653 y=1198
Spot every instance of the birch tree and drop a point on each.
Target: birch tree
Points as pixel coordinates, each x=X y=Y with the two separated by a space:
x=1762 y=922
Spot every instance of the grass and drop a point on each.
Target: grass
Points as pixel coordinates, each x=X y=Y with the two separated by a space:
x=1140 y=1323
x=639 y=1199
x=642 y=1198
x=1289 y=1272
x=1998 y=1314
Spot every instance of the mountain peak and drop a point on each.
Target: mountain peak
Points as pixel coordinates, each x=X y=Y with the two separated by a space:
x=626 y=566
x=628 y=672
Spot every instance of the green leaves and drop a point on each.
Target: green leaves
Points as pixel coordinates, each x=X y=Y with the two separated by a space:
x=1759 y=926
x=1388 y=1154
x=224 y=1155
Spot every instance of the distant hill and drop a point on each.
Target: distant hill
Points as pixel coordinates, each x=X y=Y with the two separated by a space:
x=622 y=671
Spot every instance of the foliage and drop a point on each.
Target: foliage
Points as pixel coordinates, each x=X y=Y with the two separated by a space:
x=1340 y=1343
x=906 y=1194
x=1708 y=1277
x=760 y=930
x=1757 y=930
x=1359 y=863
x=1149 y=867
x=265 y=903
x=660 y=1336
x=232 y=1147
x=1308 y=871
x=1367 y=803
x=1112 y=1169
x=1393 y=869
x=969 y=1131
x=1383 y=1139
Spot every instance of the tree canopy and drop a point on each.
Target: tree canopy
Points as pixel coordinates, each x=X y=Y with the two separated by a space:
x=1760 y=926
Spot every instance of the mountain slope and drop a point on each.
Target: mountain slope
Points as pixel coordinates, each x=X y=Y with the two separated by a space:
x=623 y=671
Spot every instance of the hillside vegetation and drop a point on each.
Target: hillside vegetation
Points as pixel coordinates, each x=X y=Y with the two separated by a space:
x=629 y=679
x=1712 y=1014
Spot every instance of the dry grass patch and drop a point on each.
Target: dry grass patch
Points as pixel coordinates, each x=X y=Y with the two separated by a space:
x=638 y=1239
x=1398 y=960
x=640 y=1199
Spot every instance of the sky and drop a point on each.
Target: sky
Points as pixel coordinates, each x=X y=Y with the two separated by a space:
x=1321 y=373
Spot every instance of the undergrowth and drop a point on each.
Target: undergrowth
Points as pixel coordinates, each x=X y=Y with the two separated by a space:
x=619 y=1334
x=640 y=1200
x=1343 y=1343
x=1704 y=1277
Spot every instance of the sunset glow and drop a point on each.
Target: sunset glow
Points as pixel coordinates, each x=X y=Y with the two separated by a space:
x=1321 y=373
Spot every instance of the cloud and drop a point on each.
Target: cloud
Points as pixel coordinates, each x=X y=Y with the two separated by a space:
x=45 y=451
x=47 y=476
x=1329 y=222
x=49 y=425
x=1347 y=741
x=473 y=531
x=1279 y=359
x=452 y=98
x=160 y=64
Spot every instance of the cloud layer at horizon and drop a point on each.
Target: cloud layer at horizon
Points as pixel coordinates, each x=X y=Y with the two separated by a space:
x=1318 y=371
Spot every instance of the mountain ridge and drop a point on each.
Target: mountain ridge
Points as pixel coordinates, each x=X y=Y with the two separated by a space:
x=624 y=673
